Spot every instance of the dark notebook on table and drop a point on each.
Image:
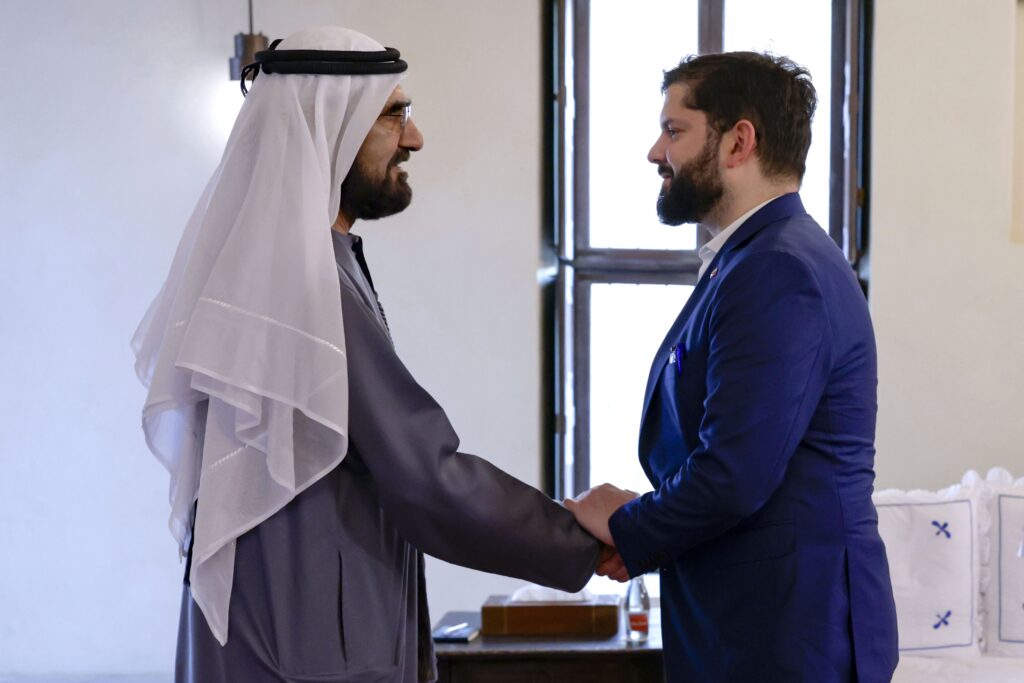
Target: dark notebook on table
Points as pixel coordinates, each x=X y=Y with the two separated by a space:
x=457 y=627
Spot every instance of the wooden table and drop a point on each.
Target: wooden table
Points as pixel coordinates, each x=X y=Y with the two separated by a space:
x=564 y=659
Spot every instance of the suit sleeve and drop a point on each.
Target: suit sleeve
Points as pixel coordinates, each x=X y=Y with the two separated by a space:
x=768 y=360
x=452 y=505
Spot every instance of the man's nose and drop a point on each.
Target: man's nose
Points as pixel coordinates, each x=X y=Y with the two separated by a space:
x=656 y=155
x=411 y=138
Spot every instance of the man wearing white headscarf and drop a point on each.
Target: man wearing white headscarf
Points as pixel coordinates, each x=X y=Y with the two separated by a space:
x=309 y=471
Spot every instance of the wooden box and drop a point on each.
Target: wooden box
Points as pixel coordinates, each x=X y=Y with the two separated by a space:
x=597 y=617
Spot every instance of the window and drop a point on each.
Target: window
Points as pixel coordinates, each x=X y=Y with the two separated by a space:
x=620 y=278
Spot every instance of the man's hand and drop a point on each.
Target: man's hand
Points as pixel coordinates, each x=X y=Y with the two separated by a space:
x=610 y=564
x=593 y=508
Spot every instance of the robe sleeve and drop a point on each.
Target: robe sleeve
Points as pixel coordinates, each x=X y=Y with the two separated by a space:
x=454 y=506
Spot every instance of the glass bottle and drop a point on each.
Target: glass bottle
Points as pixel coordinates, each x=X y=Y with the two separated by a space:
x=638 y=611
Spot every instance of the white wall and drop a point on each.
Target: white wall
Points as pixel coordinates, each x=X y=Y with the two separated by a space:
x=947 y=292
x=114 y=115
x=1018 y=160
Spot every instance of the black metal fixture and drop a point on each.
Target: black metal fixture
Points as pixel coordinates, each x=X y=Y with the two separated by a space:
x=246 y=47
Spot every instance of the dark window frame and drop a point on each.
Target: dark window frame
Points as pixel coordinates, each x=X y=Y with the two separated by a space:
x=575 y=265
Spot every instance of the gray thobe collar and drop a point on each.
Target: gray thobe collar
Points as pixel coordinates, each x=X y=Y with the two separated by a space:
x=352 y=269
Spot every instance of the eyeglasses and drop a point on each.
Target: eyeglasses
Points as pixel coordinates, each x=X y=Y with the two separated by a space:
x=403 y=116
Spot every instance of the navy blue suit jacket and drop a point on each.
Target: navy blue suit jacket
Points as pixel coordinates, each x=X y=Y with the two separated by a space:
x=758 y=436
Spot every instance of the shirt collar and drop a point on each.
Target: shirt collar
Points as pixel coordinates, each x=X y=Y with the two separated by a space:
x=714 y=245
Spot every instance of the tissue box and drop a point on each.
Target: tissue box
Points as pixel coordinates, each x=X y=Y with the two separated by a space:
x=597 y=617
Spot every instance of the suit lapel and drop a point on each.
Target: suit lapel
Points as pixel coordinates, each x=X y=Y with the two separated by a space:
x=781 y=207
x=674 y=332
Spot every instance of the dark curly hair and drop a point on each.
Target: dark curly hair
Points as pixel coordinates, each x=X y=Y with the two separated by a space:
x=772 y=92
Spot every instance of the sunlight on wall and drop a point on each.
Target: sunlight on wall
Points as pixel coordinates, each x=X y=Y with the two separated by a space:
x=224 y=99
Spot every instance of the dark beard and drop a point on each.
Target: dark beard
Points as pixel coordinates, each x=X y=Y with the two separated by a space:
x=694 y=190
x=368 y=198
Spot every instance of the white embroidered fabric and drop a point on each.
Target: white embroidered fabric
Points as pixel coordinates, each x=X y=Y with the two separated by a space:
x=1004 y=591
x=934 y=542
x=249 y=318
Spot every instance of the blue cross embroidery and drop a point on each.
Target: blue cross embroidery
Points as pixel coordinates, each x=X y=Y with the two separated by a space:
x=943 y=620
x=942 y=528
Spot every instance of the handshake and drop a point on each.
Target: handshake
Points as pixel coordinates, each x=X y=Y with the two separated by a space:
x=592 y=509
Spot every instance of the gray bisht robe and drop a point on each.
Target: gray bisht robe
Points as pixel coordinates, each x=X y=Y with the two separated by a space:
x=331 y=588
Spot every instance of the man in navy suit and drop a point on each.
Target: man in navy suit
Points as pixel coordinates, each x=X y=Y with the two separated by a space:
x=759 y=417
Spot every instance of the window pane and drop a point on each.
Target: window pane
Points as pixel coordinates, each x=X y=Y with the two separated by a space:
x=802 y=31
x=628 y=323
x=631 y=44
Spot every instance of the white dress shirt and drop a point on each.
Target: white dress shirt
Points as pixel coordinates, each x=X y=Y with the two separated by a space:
x=708 y=251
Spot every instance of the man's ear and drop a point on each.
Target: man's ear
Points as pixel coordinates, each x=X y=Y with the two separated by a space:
x=741 y=141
